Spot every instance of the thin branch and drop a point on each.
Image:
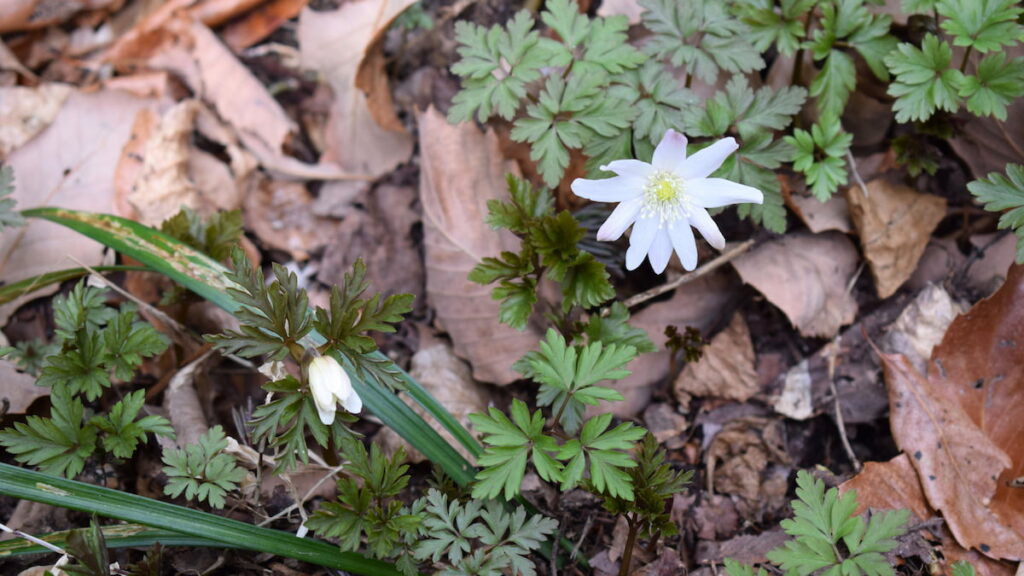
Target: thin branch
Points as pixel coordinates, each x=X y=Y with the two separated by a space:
x=840 y=424
x=704 y=270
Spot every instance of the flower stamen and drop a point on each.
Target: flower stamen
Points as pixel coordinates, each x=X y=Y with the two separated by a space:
x=665 y=196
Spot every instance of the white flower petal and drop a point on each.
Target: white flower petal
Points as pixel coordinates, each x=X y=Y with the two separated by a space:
x=716 y=192
x=326 y=414
x=707 y=160
x=661 y=251
x=684 y=243
x=615 y=189
x=671 y=151
x=634 y=168
x=620 y=219
x=701 y=220
x=640 y=240
x=352 y=402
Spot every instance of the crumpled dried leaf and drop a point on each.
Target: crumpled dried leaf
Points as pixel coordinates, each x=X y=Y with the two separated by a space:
x=894 y=223
x=448 y=379
x=35 y=14
x=807 y=277
x=821 y=216
x=335 y=43
x=796 y=400
x=454 y=195
x=17 y=389
x=25 y=112
x=71 y=164
x=894 y=485
x=739 y=457
x=960 y=424
x=260 y=23
x=725 y=370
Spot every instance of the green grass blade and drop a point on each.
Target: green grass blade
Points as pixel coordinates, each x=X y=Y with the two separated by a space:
x=116 y=536
x=15 y=290
x=205 y=276
x=56 y=491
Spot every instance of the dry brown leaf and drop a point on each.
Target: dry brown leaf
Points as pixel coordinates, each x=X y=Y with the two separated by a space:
x=17 y=389
x=280 y=215
x=25 y=112
x=894 y=223
x=34 y=14
x=8 y=61
x=71 y=164
x=335 y=43
x=448 y=379
x=961 y=423
x=631 y=9
x=739 y=457
x=700 y=304
x=821 y=216
x=181 y=402
x=894 y=485
x=163 y=185
x=978 y=365
x=921 y=325
x=807 y=277
x=454 y=195
x=260 y=23
x=991 y=260
x=213 y=13
x=726 y=369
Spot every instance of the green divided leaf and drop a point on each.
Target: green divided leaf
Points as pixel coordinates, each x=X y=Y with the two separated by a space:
x=982 y=25
x=821 y=156
x=604 y=453
x=654 y=484
x=602 y=42
x=781 y=26
x=122 y=432
x=202 y=470
x=998 y=192
x=658 y=100
x=510 y=444
x=614 y=329
x=58 y=445
x=750 y=111
x=700 y=36
x=924 y=81
x=996 y=84
x=821 y=519
x=496 y=64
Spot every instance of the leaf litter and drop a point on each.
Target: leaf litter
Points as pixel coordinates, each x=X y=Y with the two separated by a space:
x=206 y=109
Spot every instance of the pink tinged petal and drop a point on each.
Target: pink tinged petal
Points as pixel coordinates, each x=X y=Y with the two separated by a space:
x=620 y=219
x=684 y=243
x=717 y=192
x=616 y=189
x=640 y=241
x=632 y=168
x=701 y=220
x=707 y=160
x=661 y=251
x=671 y=151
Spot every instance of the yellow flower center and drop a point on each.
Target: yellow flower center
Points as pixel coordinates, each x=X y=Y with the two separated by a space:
x=665 y=196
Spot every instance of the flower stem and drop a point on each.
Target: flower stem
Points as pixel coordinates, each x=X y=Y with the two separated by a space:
x=627 y=554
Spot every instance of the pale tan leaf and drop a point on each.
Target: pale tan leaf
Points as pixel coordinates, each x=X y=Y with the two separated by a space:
x=334 y=43
x=163 y=185
x=821 y=216
x=71 y=164
x=454 y=194
x=922 y=325
x=894 y=223
x=807 y=277
x=34 y=14
x=725 y=370
x=280 y=214
x=17 y=389
x=25 y=112
x=260 y=23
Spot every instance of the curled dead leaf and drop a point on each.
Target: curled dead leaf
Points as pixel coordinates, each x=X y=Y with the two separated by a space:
x=725 y=370
x=25 y=112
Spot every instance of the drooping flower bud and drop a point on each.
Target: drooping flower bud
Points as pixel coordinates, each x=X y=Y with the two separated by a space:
x=331 y=385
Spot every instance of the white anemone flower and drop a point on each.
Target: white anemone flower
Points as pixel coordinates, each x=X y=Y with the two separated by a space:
x=330 y=385
x=663 y=199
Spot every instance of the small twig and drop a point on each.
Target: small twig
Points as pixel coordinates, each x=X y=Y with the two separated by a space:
x=840 y=424
x=704 y=270
x=1009 y=140
x=554 y=548
x=332 y=472
x=32 y=539
x=583 y=536
x=856 y=174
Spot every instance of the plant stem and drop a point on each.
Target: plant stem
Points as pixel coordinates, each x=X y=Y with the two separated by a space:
x=967 y=54
x=798 y=62
x=627 y=554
